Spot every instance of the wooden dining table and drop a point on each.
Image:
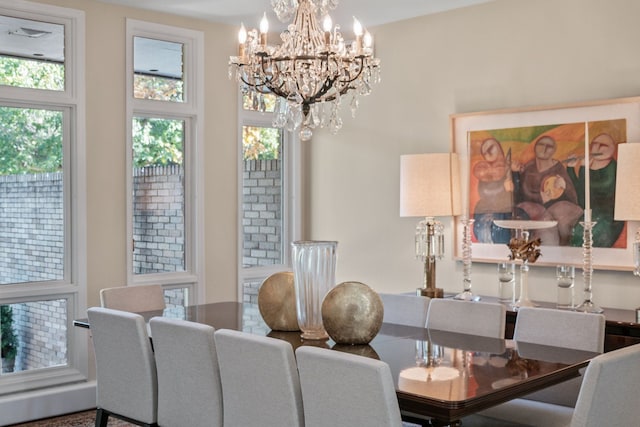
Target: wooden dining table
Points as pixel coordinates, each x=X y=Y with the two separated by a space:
x=441 y=375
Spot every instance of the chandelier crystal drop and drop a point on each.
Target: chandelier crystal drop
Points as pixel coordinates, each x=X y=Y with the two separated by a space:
x=311 y=71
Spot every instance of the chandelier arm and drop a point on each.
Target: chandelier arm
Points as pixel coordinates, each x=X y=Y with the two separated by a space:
x=258 y=87
x=326 y=86
x=360 y=69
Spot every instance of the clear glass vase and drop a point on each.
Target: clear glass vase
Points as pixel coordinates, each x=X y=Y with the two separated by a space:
x=314 y=266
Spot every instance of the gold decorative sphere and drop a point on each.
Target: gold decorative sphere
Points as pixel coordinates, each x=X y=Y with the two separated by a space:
x=352 y=313
x=277 y=302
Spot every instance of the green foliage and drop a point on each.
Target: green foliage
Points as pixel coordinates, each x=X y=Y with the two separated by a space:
x=9 y=340
x=31 y=74
x=265 y=102
x=157 y=142
x=260 y=143
x=158 y=88
x=30 y=140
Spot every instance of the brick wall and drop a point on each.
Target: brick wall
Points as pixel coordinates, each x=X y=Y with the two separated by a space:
x=41 y=327
x=262 y=208
x=31 y=228
x=262 y=219
x=158 y=223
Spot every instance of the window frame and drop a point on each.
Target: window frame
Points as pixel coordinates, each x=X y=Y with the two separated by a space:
x=72 y=287
x=191 y=111
x=291 y=196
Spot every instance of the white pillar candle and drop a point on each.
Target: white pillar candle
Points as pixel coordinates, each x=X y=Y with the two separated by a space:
x=587 y=184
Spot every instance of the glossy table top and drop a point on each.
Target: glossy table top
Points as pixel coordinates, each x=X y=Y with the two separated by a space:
x=438 y=374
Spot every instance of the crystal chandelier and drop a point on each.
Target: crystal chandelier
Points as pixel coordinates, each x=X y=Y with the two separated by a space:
x=310 y=72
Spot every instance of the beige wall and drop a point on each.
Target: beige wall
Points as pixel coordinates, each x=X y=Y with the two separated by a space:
x=502 y=54
x=105 y=92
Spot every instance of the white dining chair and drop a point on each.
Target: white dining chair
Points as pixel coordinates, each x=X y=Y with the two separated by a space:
x=403 y=309
x=345 y=390
x=609 y=392
x=136 y=299
x=189 y=389
x=125 y=368
x=260 y=383
x=560 y=328
x=467 y=317
x=557 y=328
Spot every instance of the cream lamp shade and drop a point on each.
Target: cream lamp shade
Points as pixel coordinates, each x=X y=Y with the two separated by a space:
x=627 y=206
x=430 y=185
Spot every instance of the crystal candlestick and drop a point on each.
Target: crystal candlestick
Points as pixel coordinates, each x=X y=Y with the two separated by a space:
x=466 y=293
x=588 y=306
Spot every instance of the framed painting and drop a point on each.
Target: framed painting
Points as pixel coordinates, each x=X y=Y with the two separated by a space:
x=529 y=164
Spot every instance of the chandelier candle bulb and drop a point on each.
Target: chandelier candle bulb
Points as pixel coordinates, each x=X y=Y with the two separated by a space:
x=242 y=39
x=368 y=40
x=326 y=25
x=357 y=30
x=264 y=29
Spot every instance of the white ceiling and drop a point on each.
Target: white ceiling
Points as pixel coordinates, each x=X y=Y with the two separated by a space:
x=249 y=12
x=34 y=39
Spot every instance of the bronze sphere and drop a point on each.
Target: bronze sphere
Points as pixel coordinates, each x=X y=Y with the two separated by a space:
x=352 y=313
x=277 y=302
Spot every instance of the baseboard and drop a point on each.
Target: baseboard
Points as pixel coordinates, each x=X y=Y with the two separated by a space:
x=50 y=402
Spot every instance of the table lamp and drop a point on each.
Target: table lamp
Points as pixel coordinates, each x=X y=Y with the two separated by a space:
x=627 y=206
x=429 y=187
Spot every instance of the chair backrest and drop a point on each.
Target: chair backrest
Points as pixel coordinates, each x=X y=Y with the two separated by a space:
x=609 y=392
x=189 y=390
x=467 y=317
x=560 y=328
x=125 y=366
x=344 y=390
x=409 y=310
x=133 y=298
x=260 y=383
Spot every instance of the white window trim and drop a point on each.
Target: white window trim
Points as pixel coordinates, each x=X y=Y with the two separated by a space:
x=291 y=187
x=192 y=112
x=73 y=286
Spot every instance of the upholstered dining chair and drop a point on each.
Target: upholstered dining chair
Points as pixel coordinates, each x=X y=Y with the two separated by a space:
x=557 y=328
x=189 y=389
x=609 y=392
x=467 y=317
x=125 y=368
x=344 y=390
x=560 y=328
x=608 y=397
x=260 y=383
x=133 y=298
x=402 y=309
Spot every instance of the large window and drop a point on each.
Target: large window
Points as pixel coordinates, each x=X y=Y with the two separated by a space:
x=42 y=246
x=269 y=206
x=164 y=107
